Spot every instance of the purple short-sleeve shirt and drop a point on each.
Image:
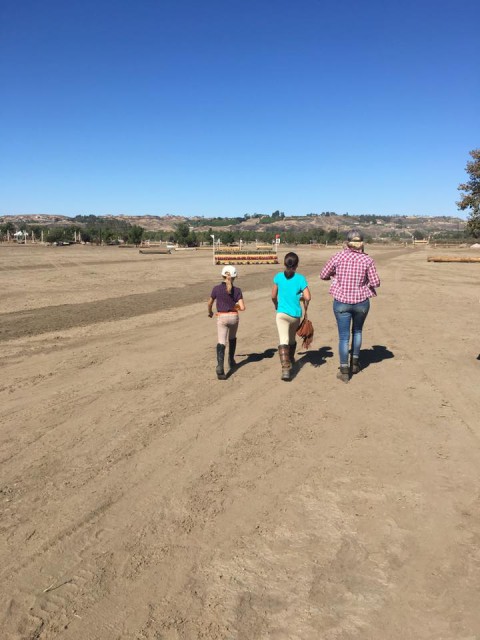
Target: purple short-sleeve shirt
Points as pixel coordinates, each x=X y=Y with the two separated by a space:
x=226 y=301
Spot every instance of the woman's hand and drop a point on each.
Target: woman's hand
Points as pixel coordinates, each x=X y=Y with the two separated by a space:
x=240 y=306
x=210 y=307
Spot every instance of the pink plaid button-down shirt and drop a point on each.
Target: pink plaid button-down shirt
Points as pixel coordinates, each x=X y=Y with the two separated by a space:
x=354 y=276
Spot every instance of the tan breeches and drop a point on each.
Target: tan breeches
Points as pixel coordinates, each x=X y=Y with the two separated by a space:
x=227 y=325
x=287 y=327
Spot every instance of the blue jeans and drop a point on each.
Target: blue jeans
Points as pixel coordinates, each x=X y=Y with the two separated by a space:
x=350 y=315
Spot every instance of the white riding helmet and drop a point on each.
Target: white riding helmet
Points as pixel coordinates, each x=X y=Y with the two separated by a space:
x=228 y=269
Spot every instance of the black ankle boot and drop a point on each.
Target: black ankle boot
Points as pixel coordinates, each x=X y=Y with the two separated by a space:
x=355 y=365
x=220 y=360
x=232 y=345
x=343 y=373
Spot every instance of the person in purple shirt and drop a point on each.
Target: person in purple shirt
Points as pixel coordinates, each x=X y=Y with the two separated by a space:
x=229 y=301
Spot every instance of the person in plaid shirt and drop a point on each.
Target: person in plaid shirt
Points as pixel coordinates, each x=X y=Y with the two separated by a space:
x=354 y=278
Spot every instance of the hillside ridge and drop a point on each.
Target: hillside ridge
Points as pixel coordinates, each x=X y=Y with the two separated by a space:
x=376 y=225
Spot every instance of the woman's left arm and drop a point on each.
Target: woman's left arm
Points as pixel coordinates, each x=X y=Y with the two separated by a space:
x=373 y=277
x=240 y=305
x=306 y=297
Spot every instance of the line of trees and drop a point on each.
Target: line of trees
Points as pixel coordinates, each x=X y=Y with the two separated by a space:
x=184 y=235
x=93 y=229
x=100 y=232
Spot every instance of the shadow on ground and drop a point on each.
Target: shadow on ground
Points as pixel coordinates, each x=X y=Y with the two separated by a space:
x=378 y=353
x=315 y=357
x=250 y=358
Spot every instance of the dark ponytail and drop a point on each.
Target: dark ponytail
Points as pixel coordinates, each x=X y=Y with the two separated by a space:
x=291 y=263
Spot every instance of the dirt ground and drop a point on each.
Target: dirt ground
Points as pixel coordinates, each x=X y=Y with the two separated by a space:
x=143 y=499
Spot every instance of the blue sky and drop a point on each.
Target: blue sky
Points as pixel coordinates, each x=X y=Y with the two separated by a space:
x=225 y=107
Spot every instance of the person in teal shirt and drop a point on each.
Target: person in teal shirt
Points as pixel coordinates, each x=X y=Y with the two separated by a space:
x=288 y=290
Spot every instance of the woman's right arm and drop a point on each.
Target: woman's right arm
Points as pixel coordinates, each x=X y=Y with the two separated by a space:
x=275 y=295
x=328 y=270
x=209 y=306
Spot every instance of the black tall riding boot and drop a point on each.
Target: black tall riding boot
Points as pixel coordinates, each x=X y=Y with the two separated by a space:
x=220 y=360
x=232 y=345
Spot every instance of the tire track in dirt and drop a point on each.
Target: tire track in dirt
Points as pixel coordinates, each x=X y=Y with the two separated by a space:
x=63 y=539
x=194 y=518
x=203 y=531
x=198 y=556
x=195 y=393
x=201 y=492
x=171 y=426
x=33 y=322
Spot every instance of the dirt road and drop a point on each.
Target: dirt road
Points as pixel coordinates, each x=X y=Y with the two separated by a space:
x=142 y=499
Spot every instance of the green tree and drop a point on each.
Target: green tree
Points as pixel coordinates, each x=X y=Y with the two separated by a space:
x=192 y=240
x=471 y=194
x=37 y=231
x=86 y=235
x=332 y=236
x=227 y=237
x=108 y=235
x=135 y=234
x=182 y=231
x=55 y=235
x=7 y=229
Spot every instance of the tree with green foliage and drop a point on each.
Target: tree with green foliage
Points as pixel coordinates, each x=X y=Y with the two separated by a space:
x=55 y=234
x=87 y=235
x=332 y=237
x=227 y=237
x=7 y=229
x=135 y=234
x=182 y=231
x=418 y=235
x=108 y=236
x=36 y=230
x=184 y=237
x=192 y=240
x=471 y=196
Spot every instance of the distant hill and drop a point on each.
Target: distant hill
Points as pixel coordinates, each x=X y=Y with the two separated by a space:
x=376 y=226
x=150 y=223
